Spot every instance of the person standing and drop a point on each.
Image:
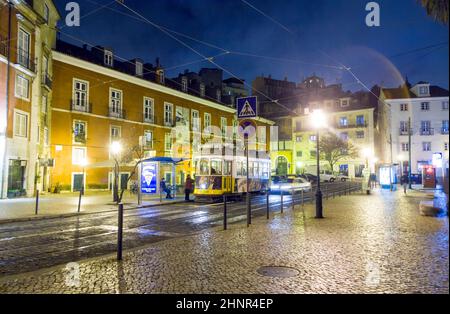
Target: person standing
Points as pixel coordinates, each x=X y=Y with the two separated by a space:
x=404 y=182
x=188 y=187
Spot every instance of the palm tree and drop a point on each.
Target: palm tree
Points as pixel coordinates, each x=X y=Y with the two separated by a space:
x=437 y=9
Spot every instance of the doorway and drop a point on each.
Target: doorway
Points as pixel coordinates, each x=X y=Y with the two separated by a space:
x=77 y=182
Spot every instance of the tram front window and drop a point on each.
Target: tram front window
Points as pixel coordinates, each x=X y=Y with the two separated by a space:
x=204 y=167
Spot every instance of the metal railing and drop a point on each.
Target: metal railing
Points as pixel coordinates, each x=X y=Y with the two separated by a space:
x=426 y=131
x=80 y=106
x=25 y=60
x=403 y=131
x=444 y=130
x=351 y=126
x=115 y=112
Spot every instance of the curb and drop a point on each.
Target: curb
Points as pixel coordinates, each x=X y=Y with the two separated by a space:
x=33 y=218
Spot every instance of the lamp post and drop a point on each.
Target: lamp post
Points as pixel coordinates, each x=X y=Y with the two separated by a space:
x=318 y=120
x=115 y=149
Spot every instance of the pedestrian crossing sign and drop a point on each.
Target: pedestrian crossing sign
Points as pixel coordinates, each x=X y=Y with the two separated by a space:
x=247 y=107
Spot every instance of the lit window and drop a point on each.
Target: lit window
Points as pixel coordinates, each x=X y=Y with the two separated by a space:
x=207 y=119
x=426 y=146
x=343 y=121
x=139 y=68
x=20 y=124
x=115 y=133
x=79 y=132
x=78 y=155
x=298 y=139
x=313 y=138
x=109 y=60
x=195 y=117
x=148 y=139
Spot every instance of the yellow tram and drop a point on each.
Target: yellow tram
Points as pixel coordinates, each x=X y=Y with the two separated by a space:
x=216 y=175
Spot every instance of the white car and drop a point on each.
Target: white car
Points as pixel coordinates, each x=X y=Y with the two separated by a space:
x=327 y=176
x=342 y=177
x=290 y=185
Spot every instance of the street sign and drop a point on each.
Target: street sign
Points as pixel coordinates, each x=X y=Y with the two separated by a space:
x=247 y=128
x=247 y=107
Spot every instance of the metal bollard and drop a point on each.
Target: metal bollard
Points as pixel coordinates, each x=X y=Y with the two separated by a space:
x=79 y=199
x=224 y=212
x=267 y=203
x=120 y=232
x=303 y=197
x=36 y=209
x=293 y=200
x=160 y=196
x=281 y=201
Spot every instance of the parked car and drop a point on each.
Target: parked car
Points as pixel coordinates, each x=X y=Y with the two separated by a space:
x=326 y=176
x=310 y=177
x=290 y=184
x=342 y=177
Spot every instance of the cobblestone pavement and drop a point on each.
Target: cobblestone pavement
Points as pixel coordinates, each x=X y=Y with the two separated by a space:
x=366 y=244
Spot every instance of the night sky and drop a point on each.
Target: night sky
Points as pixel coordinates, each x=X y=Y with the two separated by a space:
x=319 y=33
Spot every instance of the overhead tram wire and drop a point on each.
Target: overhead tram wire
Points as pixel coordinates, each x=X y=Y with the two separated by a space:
x=203 y=56
x=208 y=44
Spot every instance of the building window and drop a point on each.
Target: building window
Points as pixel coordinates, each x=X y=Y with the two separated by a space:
x=148 y=110
x=80 y=94
x=148 y=139
x=115 y=133
x=161 y=77
x=403 y=127
x=299 y=153
x=44 y=108
x=168 y=142
x=139 y=68
x=426 y=146
x=20 y=124
x=359 y=134
x=403 y=107
x=344 y=103
x=444 y=127
x=299 y=138
x=344 y=136
x=202 y=90
x=109 y=60
x=343 y=121
x=313 y=138
x=78 y=155
x=223 y=125
x=168 y=114
x=184 y=84
x=425 y=106
x=23 y=48
x=405 y=147
x=79 y=132
x=446 y=146
x=115 y=103
x=425 y=128
x=360 y=120
x=445 y=105
x=195 y=117
x=423 y=90
x=46 y=137
x=22 y=87
x=46 y=13
x=207 y=122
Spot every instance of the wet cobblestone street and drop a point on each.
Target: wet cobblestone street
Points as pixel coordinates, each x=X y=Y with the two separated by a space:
x=366 y=244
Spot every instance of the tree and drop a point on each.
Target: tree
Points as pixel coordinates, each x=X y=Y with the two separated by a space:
x=131 y=157
x=437 y=9
x=333 y=149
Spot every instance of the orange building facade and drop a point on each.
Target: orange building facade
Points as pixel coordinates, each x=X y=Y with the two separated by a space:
x=95 y=105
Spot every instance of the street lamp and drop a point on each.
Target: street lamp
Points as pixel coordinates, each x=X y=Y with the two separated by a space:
x=319 y=121
x=115 y=149
x=83 y=164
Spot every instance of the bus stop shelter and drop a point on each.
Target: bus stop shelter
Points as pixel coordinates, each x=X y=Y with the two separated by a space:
x=151 y=171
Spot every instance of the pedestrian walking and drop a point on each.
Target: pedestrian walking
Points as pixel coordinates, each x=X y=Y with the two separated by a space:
x=188 y=187
x=404 y=181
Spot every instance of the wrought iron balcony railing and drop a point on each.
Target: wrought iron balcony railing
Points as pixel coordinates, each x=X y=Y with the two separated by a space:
x=444 y=130
x=47 y=81
x=403 y=131
x=117 y=112
x=25 y=60
x=426 y=131
x=80 y=106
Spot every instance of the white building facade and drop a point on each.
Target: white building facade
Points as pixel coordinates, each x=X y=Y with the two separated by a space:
x=423 y=111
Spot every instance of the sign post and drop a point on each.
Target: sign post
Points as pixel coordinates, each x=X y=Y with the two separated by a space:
x=247 y=109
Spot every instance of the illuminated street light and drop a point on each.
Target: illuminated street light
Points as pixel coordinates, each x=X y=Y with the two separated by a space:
x=318 y=119
x=115 y=148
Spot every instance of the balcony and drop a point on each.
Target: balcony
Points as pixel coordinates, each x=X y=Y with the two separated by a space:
x=24 y=59
x=47 y=81
x=115 y=112
x=351 y=126
x=147 y=145
x=80 y=106
x=403 y=131
x=426 y=132
x=444 y=130
x=151 y=119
